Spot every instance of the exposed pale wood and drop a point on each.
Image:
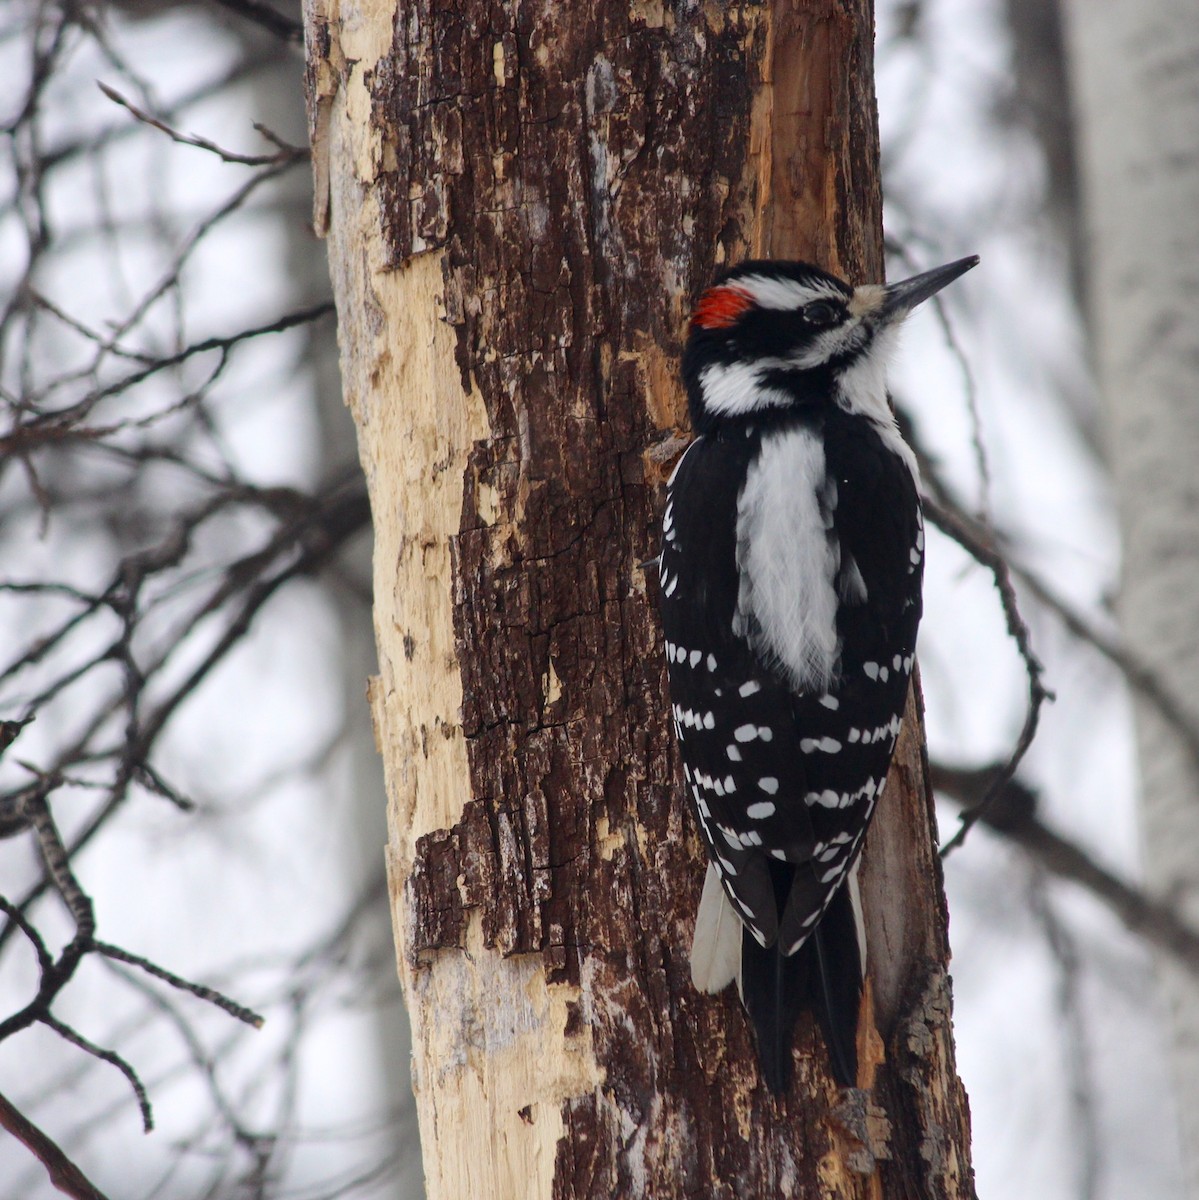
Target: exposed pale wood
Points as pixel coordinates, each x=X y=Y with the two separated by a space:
x=523 y=202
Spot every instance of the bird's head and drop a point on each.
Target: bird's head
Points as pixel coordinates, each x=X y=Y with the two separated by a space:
x=773 y=337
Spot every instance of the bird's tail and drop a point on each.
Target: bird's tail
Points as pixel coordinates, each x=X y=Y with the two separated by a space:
x=824 y=976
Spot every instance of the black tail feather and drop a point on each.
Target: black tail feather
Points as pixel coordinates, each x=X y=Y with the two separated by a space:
x=773 y=988
x=823 y=975
x=836 y=987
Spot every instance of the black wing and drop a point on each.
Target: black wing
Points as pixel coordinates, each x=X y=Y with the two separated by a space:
x=784 y=783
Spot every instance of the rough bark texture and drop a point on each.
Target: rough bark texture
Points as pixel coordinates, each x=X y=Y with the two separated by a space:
x=523 y=201
x=1136 y=76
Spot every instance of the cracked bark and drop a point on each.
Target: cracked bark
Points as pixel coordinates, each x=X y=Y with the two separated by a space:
x=522 y=202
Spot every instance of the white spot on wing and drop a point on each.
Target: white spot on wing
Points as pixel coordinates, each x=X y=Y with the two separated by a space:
x=682 y=459
x=827 y=745
x=760 y=811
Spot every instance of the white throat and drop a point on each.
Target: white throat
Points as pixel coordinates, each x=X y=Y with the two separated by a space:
x=862 y=392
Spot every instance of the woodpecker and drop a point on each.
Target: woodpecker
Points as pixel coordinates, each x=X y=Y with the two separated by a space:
x=790 y=595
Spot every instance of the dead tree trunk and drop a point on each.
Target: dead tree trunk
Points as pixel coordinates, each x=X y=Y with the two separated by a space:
x=522 y=202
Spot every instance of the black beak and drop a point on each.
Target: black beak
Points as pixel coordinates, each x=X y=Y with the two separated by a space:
x=901 y=298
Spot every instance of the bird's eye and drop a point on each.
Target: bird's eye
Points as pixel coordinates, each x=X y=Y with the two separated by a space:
x=821 y=312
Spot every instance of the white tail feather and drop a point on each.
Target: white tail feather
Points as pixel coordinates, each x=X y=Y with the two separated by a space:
x=716 y=946
x=859 y=919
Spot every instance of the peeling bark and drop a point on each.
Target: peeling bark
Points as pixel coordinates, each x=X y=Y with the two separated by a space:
x=523 y=200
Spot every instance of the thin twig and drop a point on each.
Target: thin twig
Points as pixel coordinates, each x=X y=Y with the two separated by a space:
x=211 y=995
x=285 y=153
x=308 y=544
x=56 y=858
x=109 y=1056
x=977 y=543
x=969 y=386
x=45 y=960
x=1136 y=672
x=56 y=426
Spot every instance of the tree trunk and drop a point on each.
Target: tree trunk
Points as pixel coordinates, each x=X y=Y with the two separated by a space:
x=1136 y=78
x=522 y=202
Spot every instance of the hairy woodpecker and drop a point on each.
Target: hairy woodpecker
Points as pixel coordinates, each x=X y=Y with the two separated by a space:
x=790 y=575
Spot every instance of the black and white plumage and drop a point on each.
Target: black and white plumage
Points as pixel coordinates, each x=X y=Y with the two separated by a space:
x=790 y=577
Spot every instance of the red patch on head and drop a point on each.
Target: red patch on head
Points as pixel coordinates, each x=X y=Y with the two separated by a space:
x=720 y=307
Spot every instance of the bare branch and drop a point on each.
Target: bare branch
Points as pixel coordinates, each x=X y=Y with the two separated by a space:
x=969 y=384
x=211 y=995
x=58 y=862
x=1011 y=812
x=45 y=960
x=1137 y=674
x=62 y=425
x=268 y=18
x=286 y=154
x=64 y=1174
x=976 y=541
x=120 y=424
x=109 y=1056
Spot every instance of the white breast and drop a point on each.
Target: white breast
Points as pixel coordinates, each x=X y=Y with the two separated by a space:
x=787 y=558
